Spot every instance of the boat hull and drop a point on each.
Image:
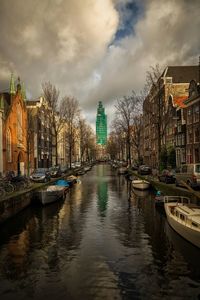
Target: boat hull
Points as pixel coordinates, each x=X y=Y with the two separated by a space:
x=188 y=233
x=159 y=201
x=50 y=196
x=140 y=184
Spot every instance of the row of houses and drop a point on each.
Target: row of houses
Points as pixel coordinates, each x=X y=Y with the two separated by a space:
x=171 y=116
x=26 y=139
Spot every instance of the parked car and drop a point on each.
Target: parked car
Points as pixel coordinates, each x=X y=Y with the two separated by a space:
x=64 y=169
x=167 y=176
x=55 y=171
x=189 y=174
x=134 y=167
x=144 y=170
x=40 y=175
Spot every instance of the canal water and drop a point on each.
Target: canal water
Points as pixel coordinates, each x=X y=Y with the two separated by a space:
x=102 y=242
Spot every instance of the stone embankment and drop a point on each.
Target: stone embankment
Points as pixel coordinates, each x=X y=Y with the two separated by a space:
x=170 y=189
x=17 y=201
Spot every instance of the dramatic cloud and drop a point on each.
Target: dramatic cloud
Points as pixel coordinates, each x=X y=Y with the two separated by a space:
x=94 y=49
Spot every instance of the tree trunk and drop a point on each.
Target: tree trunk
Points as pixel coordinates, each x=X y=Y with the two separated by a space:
x=56 y=138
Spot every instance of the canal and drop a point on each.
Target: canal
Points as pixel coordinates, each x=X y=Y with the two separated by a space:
x=101 y=242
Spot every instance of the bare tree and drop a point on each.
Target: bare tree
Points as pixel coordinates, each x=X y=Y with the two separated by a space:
x=155 y=106
x=51 y=94
x=83 y=134
x=30 y=137
x=90 y=144
x=112 y=145
x=136 y=135
x=70 y=112
x=126 y=110
x=119 y=139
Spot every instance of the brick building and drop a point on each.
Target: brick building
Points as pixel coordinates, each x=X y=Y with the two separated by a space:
x=14 y=129
x=160 y=107
x=193 y=123
x=41 y=148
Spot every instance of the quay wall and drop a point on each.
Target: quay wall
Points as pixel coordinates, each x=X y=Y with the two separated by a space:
x=16 y=202
x=11 y=206
x=170 y=189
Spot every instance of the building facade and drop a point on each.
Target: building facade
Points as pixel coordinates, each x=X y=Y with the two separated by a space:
x=41 y=150
x=101 y=125
x=193 y=123
x=160 y=113
x=14 y=129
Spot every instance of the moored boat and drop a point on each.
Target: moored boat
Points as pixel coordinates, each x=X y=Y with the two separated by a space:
x=140 y=184
x=51 y=194
x=54 y=192
x=122 y=171
x=71 y=179
x=183 y=217
x=80 y=172
x=141 y=193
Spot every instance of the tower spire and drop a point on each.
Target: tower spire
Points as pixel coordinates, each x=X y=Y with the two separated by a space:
x=12 y=85
x=23 y=91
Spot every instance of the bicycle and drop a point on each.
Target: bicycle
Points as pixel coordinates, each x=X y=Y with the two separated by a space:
x=6 y=185
x=2 y=193
x=19 y=185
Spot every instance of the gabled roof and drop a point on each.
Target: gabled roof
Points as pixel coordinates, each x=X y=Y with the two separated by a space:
x=179 y=101
x=182 y=74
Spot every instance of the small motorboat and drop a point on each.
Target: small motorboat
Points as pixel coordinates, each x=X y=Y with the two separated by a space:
x=140 y=193
x=140 y=184
x=71 y=179
x=87 y=168
x=80 y=172
x=54 y=192
x=183 y=217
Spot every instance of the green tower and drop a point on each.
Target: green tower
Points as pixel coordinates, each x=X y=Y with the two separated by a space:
x=101 y=125
x=12 y=85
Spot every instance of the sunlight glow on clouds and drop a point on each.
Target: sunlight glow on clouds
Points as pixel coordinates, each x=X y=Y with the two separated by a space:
x=95 y=49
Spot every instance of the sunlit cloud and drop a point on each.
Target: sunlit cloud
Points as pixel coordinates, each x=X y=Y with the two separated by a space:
x=95 y=50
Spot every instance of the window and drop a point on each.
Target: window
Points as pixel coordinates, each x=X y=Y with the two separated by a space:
x=183 y=155
x=189 y=156
x=179 y=140
x=196 y=113
x=189 y=136
x=184 y=169
x=194 y=224
x=183 y=139
x=189 y=115
x=19 y=123
x=196 y=155
x=196 y=135
x=182 y=217
x=179 y=127
x=197 y=168
x=8 y=146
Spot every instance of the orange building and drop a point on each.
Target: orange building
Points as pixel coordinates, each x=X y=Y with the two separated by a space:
x=14 y=129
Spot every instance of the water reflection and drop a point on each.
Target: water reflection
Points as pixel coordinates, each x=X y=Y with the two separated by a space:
x=189 y=252
x=102 y=192
x=141 y=193
x=103 y=242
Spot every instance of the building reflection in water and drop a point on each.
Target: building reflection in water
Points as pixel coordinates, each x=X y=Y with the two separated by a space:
x=102 y=192
x=102 y=189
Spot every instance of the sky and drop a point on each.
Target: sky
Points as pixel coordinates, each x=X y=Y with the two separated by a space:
x=94 y=50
